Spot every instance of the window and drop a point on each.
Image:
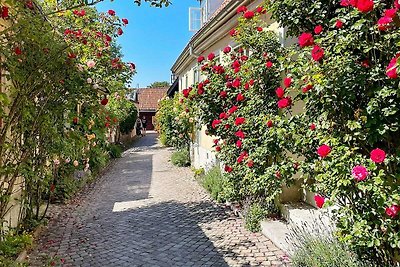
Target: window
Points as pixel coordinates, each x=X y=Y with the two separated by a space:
x=196 y=76
x=195 y=20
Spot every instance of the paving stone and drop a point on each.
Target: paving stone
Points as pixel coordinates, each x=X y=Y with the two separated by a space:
x=169 y=220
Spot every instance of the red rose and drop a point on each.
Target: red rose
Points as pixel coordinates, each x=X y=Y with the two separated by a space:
x=241 y=9
x=248 y=14
x=280 y=92
x=269 y=64
x=339 y=24
x=218 y=148
x=200 y=59
x=125 y=21
x=384 y=23
x=240 y=134
x=227 y=49
x=270 y=124
x=391 y=69
x=278 y=174
x=397 y=4
x=250 y=163
x=312 y=127
x=244 y=58
x=215 y=141
x=111 y=12
x=227 y=126
x=317 y=53
x=29 y=4
x=306 y=39
x=223 y=94
x=120 y=31
x=108 y=38
x=391 y=13
x=4 y=12
x=240 y=97
x=307 y=88
x=378 y=155
x=287 y=82
x=284 y=102
x=235 y=64
x=75 y=120
x=215 y=123
x=185 y=92
x=261 y=10
x=259 y=29
x=223 y=115
x=365 y=6
x=233 y=32
x=345 y=2
x=239 y=143
x=318 y=29
x=324 y=151
x=211 y=56
x=236 y=83
x=17 y=51
x=319 y=201
x=104 y=101
x=251 y=82
x=228 y=169
x=393 y=210
x=239 y=121
x=233 y=109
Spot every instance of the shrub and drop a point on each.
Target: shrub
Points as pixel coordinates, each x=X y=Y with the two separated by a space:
x=115 y=150
x=13 y=244
x=181 y=158
x=213 y=182
x=128 y=124
x=253 y=217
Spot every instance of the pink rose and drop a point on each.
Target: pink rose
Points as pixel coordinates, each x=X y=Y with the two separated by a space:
x=359 y=173
x=306 y=39
x=393 y=210
x=324 y=150
x=378 y=155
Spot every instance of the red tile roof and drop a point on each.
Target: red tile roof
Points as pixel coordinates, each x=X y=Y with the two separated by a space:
x=148 y=98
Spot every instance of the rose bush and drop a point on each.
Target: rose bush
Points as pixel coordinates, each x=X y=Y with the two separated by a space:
x=354 y=104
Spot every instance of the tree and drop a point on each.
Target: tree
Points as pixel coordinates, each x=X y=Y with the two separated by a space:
x=159 y=84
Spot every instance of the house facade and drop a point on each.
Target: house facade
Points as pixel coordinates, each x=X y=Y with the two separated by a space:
x=147 y=103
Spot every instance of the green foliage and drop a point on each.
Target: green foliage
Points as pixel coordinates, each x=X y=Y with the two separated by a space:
x=115 y=151
x=324 y=252
x=214 y=182
x=159 y=84
x=128 y=124
x=13 y=244
x=255 y=213
x=174 y=122
x=181 y=158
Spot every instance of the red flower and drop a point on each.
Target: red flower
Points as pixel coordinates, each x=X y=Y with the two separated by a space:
x=307 y=88
x=75 y=120
x=259 y=29
x=339 y=24
x=270 y=124
x=306 y=39
x=215 y=123
x=29 y=4
x=104 y=101
x=244 y=58
x=240 y=97
x=319 y=201
x=4 y=12
x=218 y=148
x=284 y=102
x=211 y=56
x=359 y=173
x=233 y=109
x=236 y=83
x=397 y=4
x=345 y=2
x=251 y=82
x=233 y=32
x=227 y=126
x=278 y=174
x=250 y=163
x=324 y=151
x=280 y=92
x=111 y=12
x=108 y=38
x=235 y=64
x=227 y=49
x=186 y=92
x=287 y=82
x=17 y=51
x=120 y=31
x=261 y=10
x=317 y=53
x=107 y=124
x=312 y=127
x=125 y=21
x=223 y=94
x=239 y=143
x=241 y=9
x=392 y=211
x=223 y=115
x=365 y=6
x=248 y=14
x=240 y=134
x=239 y=121
x=391 y=69
x=228 y=169
x=318 y=29
x=269 y=64
x=200 y=59
x=391 y=13
x=378 y=155
x=384 y=23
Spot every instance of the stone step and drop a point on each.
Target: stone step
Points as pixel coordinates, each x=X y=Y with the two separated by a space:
x=298 y=218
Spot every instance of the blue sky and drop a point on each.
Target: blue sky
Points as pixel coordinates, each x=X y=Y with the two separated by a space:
x=154 y=37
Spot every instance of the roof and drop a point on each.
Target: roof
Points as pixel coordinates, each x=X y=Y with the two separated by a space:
x=174 y=88
x=148 y=98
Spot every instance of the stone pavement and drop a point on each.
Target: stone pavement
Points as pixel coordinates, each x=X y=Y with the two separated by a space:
x=146 y=212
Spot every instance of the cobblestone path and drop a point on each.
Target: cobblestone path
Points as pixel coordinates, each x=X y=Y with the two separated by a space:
x=146 y=212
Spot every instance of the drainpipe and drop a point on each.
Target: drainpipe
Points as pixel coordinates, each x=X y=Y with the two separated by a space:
x=191 y=53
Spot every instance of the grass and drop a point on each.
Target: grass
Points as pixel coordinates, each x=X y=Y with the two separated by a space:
x=181 y=158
